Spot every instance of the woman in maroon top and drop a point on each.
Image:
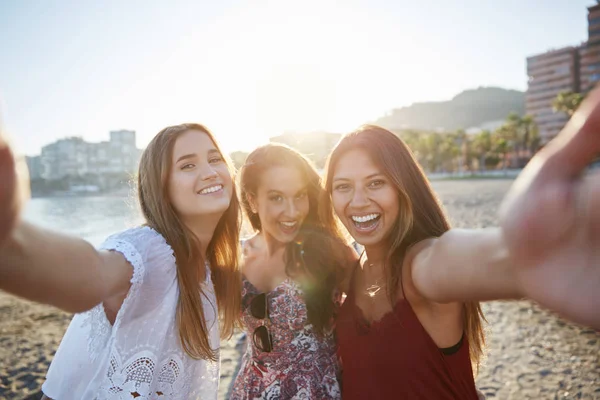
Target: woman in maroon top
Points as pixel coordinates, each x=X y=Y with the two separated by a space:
x=395 y=339
x=411 y=326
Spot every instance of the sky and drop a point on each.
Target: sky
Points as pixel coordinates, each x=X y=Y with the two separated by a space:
x=251 y=69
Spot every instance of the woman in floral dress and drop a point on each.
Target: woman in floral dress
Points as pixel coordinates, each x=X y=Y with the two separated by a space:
x=292 y=268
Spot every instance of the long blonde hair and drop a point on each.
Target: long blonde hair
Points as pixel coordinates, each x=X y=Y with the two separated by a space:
x=420 y=217
x=222 y=251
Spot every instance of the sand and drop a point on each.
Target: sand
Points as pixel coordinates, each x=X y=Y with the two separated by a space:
x=531 y=354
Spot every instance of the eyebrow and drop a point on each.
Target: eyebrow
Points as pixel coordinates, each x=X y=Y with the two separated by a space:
x=274 y=191
x=368 y=177
x=188 y=156
x=185 y=157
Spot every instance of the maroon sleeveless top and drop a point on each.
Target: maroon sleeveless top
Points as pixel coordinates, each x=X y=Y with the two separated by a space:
x=395 y=358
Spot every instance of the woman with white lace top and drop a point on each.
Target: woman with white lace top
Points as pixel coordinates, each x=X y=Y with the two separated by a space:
x=148 y=301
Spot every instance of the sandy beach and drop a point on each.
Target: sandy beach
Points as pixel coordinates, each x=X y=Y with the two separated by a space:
x=531 y=354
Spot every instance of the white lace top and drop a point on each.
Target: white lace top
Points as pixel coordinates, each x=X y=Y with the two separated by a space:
x=140 y=356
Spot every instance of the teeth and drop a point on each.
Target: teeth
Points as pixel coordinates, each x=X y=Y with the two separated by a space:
x=364 y=218
x=289 y=224
x=211 y=189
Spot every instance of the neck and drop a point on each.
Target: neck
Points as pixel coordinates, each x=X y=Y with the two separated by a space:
x=272 y=245
x=204 y=229
x=376 y=256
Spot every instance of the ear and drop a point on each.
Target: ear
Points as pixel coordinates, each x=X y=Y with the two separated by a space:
x=252 y=201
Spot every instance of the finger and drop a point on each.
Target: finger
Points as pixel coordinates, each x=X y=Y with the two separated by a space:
x=578 y=143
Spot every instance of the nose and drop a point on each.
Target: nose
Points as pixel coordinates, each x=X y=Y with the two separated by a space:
x=359 y=199
x=291 y=211
x=208 y=172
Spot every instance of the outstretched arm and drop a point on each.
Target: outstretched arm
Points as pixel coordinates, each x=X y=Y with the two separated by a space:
x=548 y=245
x=464 y=265
x=48 y=267
x=59 y=270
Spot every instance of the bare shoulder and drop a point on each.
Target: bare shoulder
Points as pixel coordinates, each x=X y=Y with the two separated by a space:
x=418 y=255
x=419 y=247
x=416 y=250
x=251 y=249
x=251 y=246
x=442 y=321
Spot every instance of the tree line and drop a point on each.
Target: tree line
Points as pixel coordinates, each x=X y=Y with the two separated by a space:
x=510 y=146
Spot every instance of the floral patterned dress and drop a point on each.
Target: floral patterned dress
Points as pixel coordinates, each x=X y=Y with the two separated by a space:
x=302 y=365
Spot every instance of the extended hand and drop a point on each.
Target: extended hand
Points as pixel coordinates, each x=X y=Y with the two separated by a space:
x=551 y=220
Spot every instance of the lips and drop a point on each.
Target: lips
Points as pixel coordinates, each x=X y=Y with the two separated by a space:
x=211 y=189
x=366 y=223
x=288 y=226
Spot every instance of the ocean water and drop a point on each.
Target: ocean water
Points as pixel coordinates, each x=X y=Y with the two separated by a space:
x=91 y=218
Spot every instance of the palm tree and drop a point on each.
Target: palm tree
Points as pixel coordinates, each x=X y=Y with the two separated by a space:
x=461 y=140
x=521 y=134
x=448 y=151
x=500 y=147
x=515 y=135
x=531 y=136
x=567 y=102
x=482 y=143
x=509 y=133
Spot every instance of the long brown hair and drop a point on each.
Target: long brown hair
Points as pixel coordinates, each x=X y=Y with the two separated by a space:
x=421 y=216
x=222 y=250
x=316 y=257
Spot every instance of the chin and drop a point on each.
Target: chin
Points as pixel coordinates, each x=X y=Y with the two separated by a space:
x=367 y=240
x=217 y=209
x=283 y=237
x=288 y=239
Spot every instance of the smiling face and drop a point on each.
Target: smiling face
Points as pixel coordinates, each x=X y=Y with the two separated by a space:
x=281 y=202
x=364 y=198
x=199 y=181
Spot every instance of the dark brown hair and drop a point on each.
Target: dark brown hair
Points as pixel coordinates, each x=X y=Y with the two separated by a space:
x=222 y=251
x=316 y=257
x=420 y=216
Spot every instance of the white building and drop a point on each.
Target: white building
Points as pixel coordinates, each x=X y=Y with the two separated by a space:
x=75 y=157
x=65 y=157
x=34 y=165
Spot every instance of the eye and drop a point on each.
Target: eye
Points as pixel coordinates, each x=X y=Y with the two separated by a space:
x=187 y=166
x=342 y=187
x=276 y=198
x=377 y=183
x=302 y=195
x=215 y=159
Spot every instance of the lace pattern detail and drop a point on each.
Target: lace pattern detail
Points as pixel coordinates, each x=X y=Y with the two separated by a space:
x=135 y=378
x=95 y=320
x=140 y=355
x=100 y=327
